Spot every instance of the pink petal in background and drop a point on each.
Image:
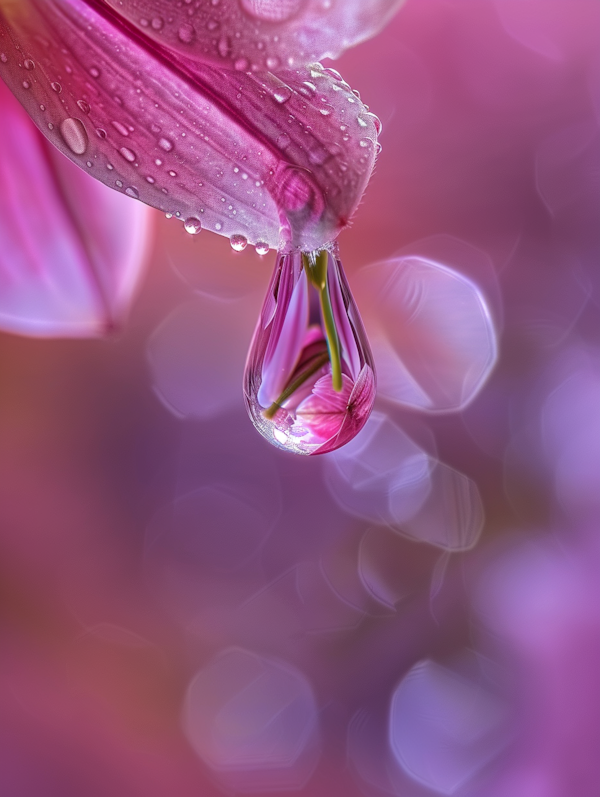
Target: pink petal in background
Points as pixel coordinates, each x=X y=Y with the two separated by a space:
x=71 y=251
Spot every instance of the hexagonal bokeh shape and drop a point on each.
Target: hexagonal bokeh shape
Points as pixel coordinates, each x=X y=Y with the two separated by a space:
x=431 y=330
x=253 y=721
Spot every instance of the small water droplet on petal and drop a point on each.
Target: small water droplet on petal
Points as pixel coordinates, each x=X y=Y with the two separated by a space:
x=282 y=94
x=192 y=225
x=29 y=64
x=262 y=248
x=128 y=154
x=186 y=33
x=376 y=122
x=56 y=87
x=278 y=11
x=83 y=106
x=238 y=242
x=74 y=135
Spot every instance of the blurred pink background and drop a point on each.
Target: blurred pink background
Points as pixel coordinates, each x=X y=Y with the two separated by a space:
x=188 y=611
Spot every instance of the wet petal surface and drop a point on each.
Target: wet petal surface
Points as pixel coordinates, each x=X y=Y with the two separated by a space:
x=237 y=153
x=258 y=35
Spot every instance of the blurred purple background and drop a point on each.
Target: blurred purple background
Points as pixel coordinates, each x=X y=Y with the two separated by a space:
x=188 y=611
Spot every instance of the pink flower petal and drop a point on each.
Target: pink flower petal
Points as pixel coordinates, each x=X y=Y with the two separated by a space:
x=71 y=252
x=242 y=154
x=285 y=346
x=258 y=34
x=338 y=417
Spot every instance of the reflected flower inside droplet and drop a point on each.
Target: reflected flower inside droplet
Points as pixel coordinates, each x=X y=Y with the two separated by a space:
x=309 y=383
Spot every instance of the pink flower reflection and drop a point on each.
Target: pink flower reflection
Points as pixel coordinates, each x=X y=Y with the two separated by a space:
x=309 y=383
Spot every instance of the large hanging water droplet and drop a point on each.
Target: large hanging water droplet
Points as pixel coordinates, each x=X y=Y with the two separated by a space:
x=309 y=383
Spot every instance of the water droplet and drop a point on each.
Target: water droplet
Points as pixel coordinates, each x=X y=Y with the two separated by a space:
x=42 y=107
x=128 y=154
x=283 y=141
x=238 y=242
x=309 y=382
x=119 y=183
x=83 y=106
x=270 y=11
x=241 y=64
x=172 y=173
x=262 y=248
x=378 y=148
x=218 y=226
x=157 y=23
x=4 y=58
x=165 y=144
x=29 y=64
x=94 y=72
x=131 y=191
x=186 y=33
x=365 y=142
x=272 y=62
x=150 y=179
x=376 y=122
x=362 y=122
x=318 y=155
x=334 y=74
x=75 y=135
x=282 y=94
x=26 y=84
x=56 y=87
x=120 y=128
x=224 y=46
x=192 y=225
x=100 y=132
